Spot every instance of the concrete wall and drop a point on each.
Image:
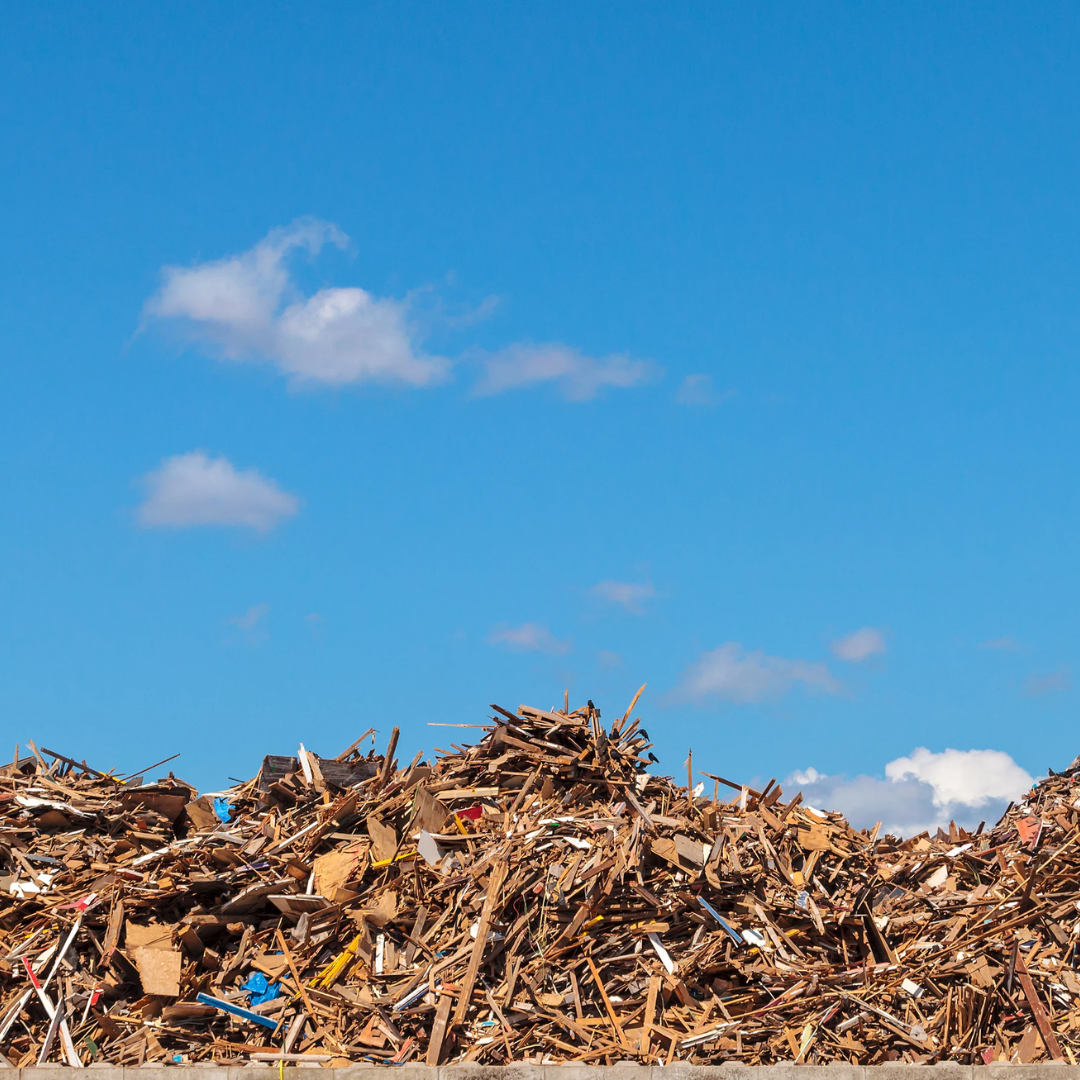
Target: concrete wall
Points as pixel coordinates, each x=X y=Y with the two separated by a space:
x=572 y=1072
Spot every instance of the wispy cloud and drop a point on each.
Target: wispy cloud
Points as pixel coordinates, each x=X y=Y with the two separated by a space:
x=630 y=595
x=859 y=645
x=1004 y=644
x=609 y=659
x=728 y=673
x=1054 y=682
x=194 y=489
x=252 y=617
x=252 y=625
x=529 y=637
x=478 y=314
x=248 y=307
x=577 y=376
x=697 y=390
x=923 y=790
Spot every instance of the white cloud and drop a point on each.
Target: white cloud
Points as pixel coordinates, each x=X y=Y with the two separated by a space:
x=631 y=595
x=252 y=617
x=859 y=645
x=529 y=637
x=608 y=658
x=578 y=377
x=698 y=390
x=924 y=790
x=730 y=674
x=195 y=490
x=972 y=777
x=247 y=307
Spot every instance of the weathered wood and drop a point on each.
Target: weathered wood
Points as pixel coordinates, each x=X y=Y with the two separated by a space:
x=491 y=904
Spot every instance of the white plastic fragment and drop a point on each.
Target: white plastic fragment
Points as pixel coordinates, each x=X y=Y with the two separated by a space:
x=665 y=956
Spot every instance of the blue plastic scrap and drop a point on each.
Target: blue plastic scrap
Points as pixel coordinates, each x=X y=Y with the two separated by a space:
x=731 y=931
x=223 y=808
x=260 y=989
x=237 y=1010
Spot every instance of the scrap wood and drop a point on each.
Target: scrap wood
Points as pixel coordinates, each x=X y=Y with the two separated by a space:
x=568 y=905
x=491 y=902
x=438 y=1029
x=607 y=1001
x=1037 y=1009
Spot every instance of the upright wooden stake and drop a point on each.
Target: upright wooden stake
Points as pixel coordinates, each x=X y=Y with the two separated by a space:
x=495 y=884
x=438 y=1029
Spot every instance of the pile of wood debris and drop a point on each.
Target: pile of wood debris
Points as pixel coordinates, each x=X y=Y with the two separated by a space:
x=537 y=897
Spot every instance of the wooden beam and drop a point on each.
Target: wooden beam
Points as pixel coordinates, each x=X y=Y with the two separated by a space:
x=438 y=1029
x=1043 y=1021
x=495 y=884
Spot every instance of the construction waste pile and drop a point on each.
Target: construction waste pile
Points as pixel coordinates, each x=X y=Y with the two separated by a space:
x=536 y=897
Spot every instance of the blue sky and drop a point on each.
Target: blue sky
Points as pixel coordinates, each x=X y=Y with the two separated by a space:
x=365 y=364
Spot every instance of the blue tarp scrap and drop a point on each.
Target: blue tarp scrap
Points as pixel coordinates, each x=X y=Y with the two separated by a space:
x=261 y=989
x=223 y=808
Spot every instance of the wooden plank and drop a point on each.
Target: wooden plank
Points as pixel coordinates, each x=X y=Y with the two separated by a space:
x=388 y=761
x=650 y=1012
x=295 y=974
x=467 y=793
x=438 y=1030
x=495 y=884
x=626 y=715
x=607 y=1002
x=1043 y=1021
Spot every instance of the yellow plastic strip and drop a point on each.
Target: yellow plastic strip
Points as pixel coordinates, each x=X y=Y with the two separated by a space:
x=338 y=964
x=397 y=858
